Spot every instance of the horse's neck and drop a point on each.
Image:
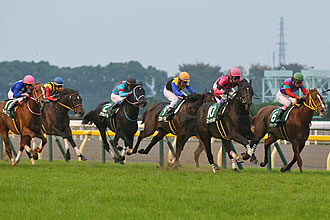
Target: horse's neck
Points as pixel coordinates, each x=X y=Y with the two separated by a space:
x=131 y=110
x=33 y=105
x=236 y=106
x=305 y=114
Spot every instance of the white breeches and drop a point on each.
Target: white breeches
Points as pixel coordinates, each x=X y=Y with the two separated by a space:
x=284 y=99
x=171 y=97
x=116 y=98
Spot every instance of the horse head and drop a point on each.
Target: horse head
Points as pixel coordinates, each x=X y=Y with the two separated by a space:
x=314 y=101
x=38 y=94
x=137 y=97
x=245 y=93
x=71 y=99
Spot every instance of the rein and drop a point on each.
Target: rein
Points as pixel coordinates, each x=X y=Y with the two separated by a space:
x=136 y=103
x=68 y=107
x=35 y=98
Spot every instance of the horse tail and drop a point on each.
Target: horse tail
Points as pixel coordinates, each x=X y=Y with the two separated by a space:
x=88 y=118
x=144 y=117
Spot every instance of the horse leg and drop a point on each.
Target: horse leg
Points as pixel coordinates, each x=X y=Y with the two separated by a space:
x=106 y=147
x=271 y=139
x=180 y=142
x=206 y=140
x=250 y=151
x=128 y=141
x=26 y=144
x=40 y=135
x=231 y=154
x=74 y=146
x=198 y=152
x=297 y=148
x=8 y=150
x=19 y=154
x=158 y=137
x=148 y=130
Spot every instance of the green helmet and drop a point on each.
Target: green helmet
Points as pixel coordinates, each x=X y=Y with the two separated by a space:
x=298 y=76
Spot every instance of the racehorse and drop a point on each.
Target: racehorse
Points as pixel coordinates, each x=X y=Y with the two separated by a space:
x=27 y=123
x=233 y=124
x=296 y=128
x=55 y=119
x=123 y=123
x=175 y=126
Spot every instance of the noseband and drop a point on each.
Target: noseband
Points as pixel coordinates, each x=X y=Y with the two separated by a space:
x=136 y=99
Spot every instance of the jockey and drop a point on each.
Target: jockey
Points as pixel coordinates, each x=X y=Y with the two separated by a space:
x=172 y=90
x=53 y=88
x=286 y=96
x=225 y=84
x=121 y=91
x=18 y=92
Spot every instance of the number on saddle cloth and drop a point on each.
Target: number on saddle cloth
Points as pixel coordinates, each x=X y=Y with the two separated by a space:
x=274 y=117
x=213 y=111
x=107 y=111
x=162 y=115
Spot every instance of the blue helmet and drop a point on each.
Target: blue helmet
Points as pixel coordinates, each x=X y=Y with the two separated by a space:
x=58 y=81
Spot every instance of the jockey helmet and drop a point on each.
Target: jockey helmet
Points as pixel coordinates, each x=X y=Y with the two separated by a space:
x=28 y=79
x=235 y=72
x=58 y=81
x=184 y=76
x=131 y=80
x=298 y=77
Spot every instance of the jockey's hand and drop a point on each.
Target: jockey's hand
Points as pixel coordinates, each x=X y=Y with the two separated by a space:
x=129 y=93
x=26 y=94
x=183 y=97
x=300 y=100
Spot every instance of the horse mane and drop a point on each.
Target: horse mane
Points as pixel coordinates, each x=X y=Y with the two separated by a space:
x=243 y=81
x=194 y=97
x=67 y=91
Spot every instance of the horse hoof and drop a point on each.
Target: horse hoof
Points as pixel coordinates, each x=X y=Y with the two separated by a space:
x=283 y=169
x=35 y=157
x=82 y=157
x=254 y=159
x=262 y=164
x=13 y=163
x=236 y=170
x=215 y=167
x=142 y=151
x=245 y=156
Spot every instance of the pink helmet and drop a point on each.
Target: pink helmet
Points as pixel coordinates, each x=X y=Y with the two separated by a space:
x=235 y=72
x=28 y=79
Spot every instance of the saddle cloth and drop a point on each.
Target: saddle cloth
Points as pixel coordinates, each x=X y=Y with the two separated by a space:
x=213 y=110
x=163 y=113
x=9 y=104
x=275 y=115
x=105 y=110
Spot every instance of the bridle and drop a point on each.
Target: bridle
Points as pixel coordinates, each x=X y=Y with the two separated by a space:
x=72 y=108
x=35 y=97
x=135 y=98
x=311 y=103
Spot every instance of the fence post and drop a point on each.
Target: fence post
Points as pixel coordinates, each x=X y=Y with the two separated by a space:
x=1 y=148
x=240 y=166
x=170 y=146
x=50 y=146
x=280 y=152
x=269 y=165
x=104 y=156
x=60 y=146
x=161 y=153
x=223 y=157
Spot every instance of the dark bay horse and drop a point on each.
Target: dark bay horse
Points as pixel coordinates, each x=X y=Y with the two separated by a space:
x=55 y=119
x=296 y=128
x=235 y=124
x=124 y=123
x=27 y=124
x=151 y=123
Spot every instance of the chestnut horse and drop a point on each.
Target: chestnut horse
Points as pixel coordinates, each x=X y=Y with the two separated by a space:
x=27 y=124
x=56 y=121
x=296 y=128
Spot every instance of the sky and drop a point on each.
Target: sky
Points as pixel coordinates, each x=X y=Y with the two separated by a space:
x=164 y=34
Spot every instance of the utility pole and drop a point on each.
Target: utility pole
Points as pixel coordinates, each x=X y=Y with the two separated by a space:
x=281 y=56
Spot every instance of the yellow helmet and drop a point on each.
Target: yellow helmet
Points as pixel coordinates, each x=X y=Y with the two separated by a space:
x=184 y=76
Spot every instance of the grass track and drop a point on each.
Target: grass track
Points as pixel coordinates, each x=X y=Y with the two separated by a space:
x=94 y=190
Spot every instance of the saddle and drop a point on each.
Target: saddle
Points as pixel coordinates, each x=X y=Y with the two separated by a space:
x=163 y=113
x=108 y=110
x=275 y=116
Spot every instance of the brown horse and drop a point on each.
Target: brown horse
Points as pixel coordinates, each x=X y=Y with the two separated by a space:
x=296 y=128
x=175 y=126
x=27 y=124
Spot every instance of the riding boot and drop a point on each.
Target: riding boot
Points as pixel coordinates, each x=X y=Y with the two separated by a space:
x=279 y=119
x=112 y=108
x=170 y=114
x=221 y=103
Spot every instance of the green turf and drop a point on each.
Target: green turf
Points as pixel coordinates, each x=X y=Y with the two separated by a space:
x=92 y=190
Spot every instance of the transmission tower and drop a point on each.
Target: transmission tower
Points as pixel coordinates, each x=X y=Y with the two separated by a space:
x=281 y=56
